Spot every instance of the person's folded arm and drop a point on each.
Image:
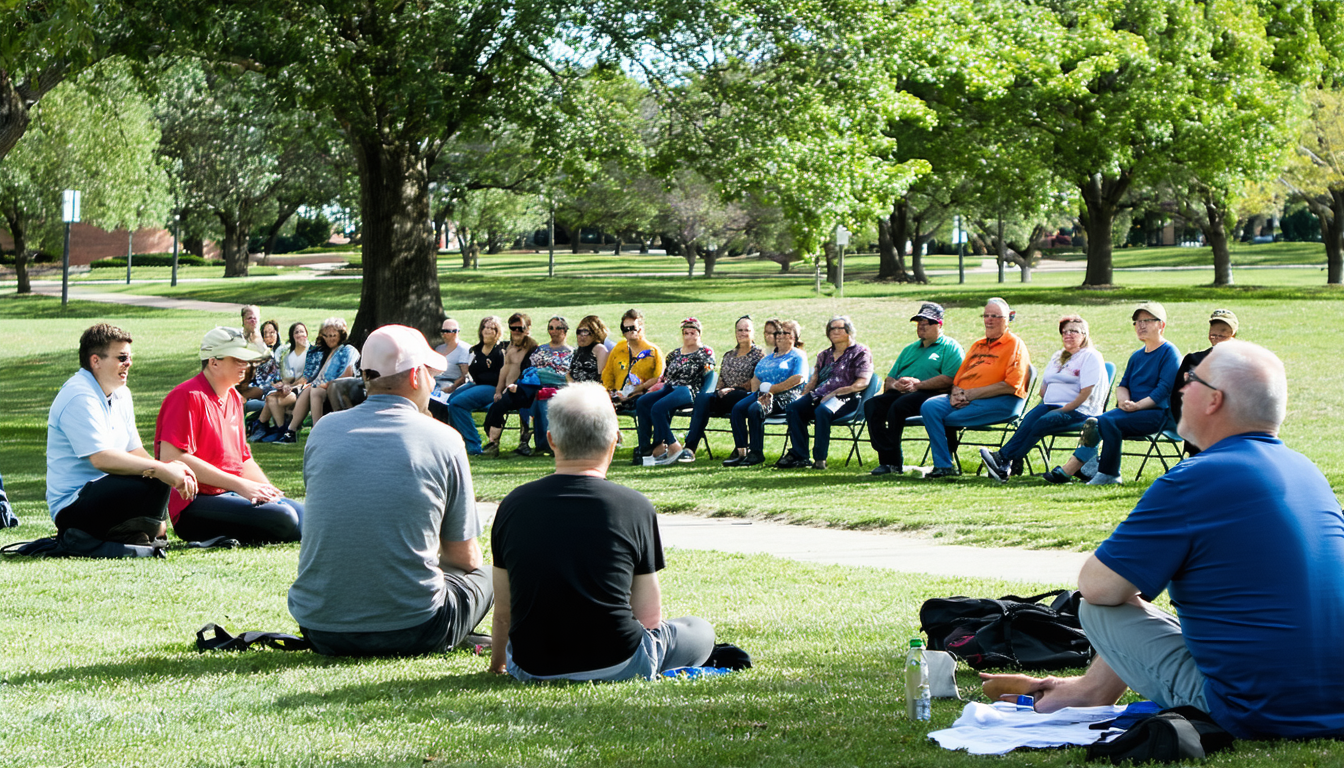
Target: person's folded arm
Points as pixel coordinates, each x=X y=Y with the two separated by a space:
x=646 y=599
x=1100 y=585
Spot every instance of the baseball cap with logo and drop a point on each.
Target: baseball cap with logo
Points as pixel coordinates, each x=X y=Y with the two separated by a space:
x=1225 y=316
x=223 y=341
x=396 y=348
x=929 y=311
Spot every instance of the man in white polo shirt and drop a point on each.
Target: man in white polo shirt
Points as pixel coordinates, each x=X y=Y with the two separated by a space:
x=100 y=478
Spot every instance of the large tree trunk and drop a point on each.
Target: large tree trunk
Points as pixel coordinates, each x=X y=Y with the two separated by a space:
x=401 y=278
x=711 y=258
x=286 y=211
x=832 y=261
x=16 y=99
x=1216 y=234
x=1102 y=197
x=891 y=236
x=18 y=230
x=235 y=244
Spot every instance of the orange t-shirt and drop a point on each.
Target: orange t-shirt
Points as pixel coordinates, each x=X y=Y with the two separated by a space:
x=990 y=362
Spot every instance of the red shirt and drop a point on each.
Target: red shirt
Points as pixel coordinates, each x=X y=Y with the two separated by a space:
x=195 y=420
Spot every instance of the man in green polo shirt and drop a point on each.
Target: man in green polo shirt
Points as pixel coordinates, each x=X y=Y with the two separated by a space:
x=923 y=369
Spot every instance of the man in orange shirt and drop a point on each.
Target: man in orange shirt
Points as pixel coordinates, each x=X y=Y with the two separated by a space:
x=990 y=386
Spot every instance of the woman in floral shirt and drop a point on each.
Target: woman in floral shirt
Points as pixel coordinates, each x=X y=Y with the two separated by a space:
x=735 y=372
x=684 y=373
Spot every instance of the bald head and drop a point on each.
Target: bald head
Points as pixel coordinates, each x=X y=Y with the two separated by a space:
x=1254 y=383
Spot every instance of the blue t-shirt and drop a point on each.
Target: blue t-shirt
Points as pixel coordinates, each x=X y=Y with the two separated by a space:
x=83 y=421
x=1248 y=540
x=774 y=367
x=1152 y=374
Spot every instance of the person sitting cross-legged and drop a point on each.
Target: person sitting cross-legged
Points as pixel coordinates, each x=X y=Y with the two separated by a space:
x=389 y=564
x=923 y=370
x=200 y=423
x=100 y=478
x=576 y=561
x=989 y=387
x=1073 y=388
x=1228 y=534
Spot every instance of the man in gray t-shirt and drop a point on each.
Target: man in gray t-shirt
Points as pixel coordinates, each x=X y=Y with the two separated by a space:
x=389 y=562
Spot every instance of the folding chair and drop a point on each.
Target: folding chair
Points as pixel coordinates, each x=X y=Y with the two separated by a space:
x=1076 y=432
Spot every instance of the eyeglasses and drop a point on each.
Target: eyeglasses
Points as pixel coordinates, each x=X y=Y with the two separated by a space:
x=518 y=328
x=1147 y=321
x=830 y=328
x=629 y=328
x=777 y=334
x=583 y=332
x=124 y=357
x=1192 y=377
x=556 y=328
x=449 y=330
x=996 y=317
x=1070 y=332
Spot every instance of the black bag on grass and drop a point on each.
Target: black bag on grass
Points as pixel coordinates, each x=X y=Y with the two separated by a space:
x=1009 y=632
x=1180 y=733
x=72 y=542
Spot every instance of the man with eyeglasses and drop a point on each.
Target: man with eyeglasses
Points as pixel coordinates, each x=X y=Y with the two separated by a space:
x=988 y=388
x=457 y=354
x=100 y=478
x=1229 y=534
x=1142 y=399
x=1223 y=326
x=924 y=369
x=389 y=564
x=201 y=424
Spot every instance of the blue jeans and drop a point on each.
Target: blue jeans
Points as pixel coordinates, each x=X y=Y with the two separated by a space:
x=805 y=409
x=748 y=422
x=653 y=413
x=1115 y=425
x=682 y=642
x=472 y=397
x=939 y=414
x=1040 y=422
x=538 y=413
x=711 y=404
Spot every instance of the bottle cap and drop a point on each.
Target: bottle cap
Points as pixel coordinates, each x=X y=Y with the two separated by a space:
x=915 y=642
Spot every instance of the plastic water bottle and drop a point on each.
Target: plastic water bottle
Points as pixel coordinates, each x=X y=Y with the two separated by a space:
x=918 y=704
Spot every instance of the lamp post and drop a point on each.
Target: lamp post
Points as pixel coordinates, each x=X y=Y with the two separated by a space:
x=959 y=239
x=550 y=240
x=841 y=240
x=69 y=215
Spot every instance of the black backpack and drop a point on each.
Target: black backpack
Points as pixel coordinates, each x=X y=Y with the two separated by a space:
x=72 y=542
x=1009 y=632
x=1180 y=733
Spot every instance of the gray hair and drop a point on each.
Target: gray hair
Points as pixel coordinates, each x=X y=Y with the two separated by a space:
x=582 y=421
x=1254 y=384
x=1007 y=310
x=849 y=325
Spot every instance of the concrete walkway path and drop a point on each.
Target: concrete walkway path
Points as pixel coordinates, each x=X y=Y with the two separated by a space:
x=873 y=549
x=138 y=300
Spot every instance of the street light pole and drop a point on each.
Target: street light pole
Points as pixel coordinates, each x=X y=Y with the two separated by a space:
x=69 y=214
x=550 y=241
x=841 y=240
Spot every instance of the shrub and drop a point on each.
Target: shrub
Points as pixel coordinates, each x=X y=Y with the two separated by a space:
x=152 y=260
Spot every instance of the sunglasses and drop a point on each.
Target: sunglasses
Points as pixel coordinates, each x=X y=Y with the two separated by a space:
x=124 y=357
x=629 y=328
x=449 y=330
x=518 y=329
x=584 y=332
x=556 y=328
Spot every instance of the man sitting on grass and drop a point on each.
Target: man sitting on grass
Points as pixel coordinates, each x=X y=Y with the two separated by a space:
x=100 y=478
x=389 y=564
x=1248 y=539
x=576 y=565
x=201 y=424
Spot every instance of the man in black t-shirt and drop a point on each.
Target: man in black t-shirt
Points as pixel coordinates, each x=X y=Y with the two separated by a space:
x=576 y=561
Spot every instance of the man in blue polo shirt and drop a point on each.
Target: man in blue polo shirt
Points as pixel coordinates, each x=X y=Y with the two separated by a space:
x=1247 y=538
x=100 y=478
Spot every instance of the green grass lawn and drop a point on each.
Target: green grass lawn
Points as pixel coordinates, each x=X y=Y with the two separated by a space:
x=101 y=669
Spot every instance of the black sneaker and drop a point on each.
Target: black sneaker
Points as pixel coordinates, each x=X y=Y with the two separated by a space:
x=789 y=461
x=752 y=459
x=523 y=450
x=287 y=438
x=735 y=460
x=994 y=465
x=637 y=460
x=943 y=472
x=1056 y=476
x=885 y=469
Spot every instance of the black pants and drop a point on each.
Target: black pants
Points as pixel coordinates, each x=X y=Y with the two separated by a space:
x=886 y=415
x=517 y=400
x=469 y=597
x=112 y=500
x=229 y=514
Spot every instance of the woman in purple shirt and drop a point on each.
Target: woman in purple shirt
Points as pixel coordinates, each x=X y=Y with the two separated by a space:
x=835 y=390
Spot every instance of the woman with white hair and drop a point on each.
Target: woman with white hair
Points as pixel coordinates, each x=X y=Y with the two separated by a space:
x=329 y=359
x=834 y=390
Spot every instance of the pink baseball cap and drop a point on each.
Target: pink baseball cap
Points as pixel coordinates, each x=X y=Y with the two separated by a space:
x=396 y=348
